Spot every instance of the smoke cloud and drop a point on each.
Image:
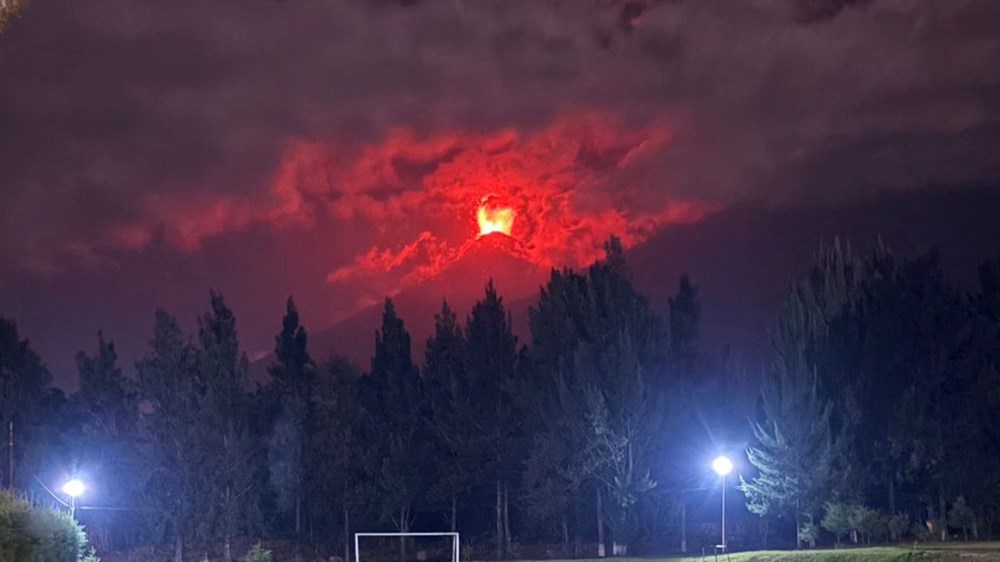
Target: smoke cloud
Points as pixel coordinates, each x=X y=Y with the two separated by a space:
x=172 y=124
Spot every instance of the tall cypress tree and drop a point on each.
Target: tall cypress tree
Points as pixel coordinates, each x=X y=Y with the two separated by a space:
x=595 y=351
x=399 y=409
x=291 y=387
x=224 y=409
x=346 y=456
x=171 y=450
x=110 y=413
x=618 y=366
x=698 y=396
x=560 y=461
x=491 y=361
x=448 y=388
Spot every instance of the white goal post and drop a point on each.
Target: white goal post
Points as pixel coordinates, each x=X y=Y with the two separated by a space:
x=455 y=550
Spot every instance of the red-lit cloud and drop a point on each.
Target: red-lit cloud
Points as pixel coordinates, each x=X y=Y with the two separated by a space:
x=566 y=183
x=569 y=184
x=379 y=261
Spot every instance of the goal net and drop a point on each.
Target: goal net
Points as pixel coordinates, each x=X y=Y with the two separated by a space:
x=406 y=547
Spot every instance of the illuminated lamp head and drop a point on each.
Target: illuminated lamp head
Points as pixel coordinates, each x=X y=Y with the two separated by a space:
x=74 y=488
x=722 y=466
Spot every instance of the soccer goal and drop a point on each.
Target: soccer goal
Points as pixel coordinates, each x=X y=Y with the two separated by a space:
x=420 y=547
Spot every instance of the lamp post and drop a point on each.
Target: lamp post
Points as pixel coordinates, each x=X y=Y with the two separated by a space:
x=723 y=466
x=73 y=489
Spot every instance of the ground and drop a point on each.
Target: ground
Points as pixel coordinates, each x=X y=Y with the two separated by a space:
x=945 y=552
x=935 y=552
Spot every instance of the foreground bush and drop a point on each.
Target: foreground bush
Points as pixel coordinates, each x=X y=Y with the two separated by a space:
x=258 y=554
x=39 y=535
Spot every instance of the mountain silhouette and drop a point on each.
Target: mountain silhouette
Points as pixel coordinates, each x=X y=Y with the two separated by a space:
x=494 y=256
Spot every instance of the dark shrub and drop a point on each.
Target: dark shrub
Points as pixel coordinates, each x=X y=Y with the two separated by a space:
x=38 y=535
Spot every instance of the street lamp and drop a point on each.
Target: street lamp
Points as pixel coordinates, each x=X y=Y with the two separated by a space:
x=73 y=489
x=723 y=466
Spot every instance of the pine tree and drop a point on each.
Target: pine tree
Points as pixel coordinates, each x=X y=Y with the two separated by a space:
x=108 y=396
x=448 y=387
x=169 y=445
x=224 y=418
x=491 y=362
x=290 y=389
x=293 y=370
x=794 y=450
x=109 y=413
x=801 y=445
x=344 y=456
x=914 y=382
x=595 y=350
x=702 y=392
x=399 y=409
x=618 y=365
x=624 y=412
x=561 y=462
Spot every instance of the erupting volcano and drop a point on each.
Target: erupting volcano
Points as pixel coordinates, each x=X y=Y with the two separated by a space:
x=494 y=219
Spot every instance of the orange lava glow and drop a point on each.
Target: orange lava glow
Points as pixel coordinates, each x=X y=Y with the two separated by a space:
x=495 y=219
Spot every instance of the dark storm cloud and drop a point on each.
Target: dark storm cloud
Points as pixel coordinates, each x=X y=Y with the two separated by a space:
x=125 y=122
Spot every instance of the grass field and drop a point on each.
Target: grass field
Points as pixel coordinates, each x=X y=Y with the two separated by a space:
x=942 y=552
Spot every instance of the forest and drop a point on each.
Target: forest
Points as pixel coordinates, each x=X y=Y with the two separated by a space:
x=873 y=418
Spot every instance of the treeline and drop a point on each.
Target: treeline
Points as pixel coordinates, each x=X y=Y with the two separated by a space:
x=877 y=419
x=556 y=442
x=880 y=417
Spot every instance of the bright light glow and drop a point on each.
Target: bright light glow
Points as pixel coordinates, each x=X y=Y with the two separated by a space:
x=74 y=488
x=722 y=466
x=494 y=219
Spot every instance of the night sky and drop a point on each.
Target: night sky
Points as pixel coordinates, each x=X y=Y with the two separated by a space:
x=339 y=150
